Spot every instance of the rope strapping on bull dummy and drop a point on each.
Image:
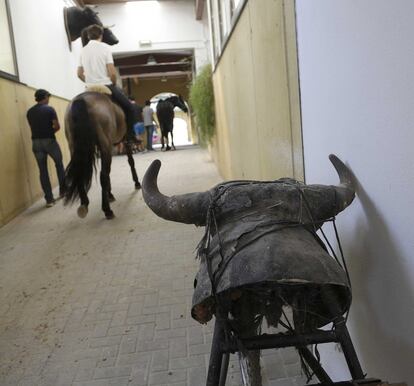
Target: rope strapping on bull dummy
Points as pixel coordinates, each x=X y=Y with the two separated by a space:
x=203 y=246
x=211 y=229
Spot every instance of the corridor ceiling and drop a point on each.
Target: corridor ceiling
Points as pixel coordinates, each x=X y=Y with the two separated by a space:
x=111 y=1
x=199 y=4
x=165 y=64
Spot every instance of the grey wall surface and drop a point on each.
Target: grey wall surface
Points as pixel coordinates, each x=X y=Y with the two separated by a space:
x=357 y=92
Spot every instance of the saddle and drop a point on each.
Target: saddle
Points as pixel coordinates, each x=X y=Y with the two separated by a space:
x=100 y=88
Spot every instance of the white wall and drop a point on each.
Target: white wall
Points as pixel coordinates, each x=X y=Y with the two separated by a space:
x=356 y=63
x=43 y=56
x=168 y=24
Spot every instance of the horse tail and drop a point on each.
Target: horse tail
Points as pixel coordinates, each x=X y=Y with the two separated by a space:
x=79 y=172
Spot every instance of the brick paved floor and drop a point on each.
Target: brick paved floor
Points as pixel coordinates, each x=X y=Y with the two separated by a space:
x=95 y=302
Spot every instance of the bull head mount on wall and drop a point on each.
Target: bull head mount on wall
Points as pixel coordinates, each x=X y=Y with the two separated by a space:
x=77 y=19
x=261 y=236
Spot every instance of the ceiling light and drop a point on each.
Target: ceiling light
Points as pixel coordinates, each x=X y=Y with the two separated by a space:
x=151 y=60
x=145 y=43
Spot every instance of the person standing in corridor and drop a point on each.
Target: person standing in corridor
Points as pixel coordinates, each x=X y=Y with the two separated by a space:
x=149 y=119
x=44 y=123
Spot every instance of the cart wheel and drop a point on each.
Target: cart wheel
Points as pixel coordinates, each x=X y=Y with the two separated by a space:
x=249 y=362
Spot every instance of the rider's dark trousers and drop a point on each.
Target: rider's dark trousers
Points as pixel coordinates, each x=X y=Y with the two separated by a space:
x=119 y=97
x=150 y=131
x=42 y=147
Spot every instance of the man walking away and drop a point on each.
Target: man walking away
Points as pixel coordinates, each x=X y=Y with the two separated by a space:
x=44 y=123
x=138 y=124
x=149 y=119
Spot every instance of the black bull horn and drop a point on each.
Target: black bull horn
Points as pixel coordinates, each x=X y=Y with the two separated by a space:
x=262 y=234
x=192 y=208
x=187 y=208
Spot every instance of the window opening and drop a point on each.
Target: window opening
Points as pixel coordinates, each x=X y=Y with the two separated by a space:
x=8 y=66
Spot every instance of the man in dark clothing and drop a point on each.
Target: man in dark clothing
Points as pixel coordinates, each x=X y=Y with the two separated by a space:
x=138 y=122
x=137 y=109
x=44 y=123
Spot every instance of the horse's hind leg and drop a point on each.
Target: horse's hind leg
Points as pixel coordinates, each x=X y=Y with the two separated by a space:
x=162 y=138
x=110 y=195
x=168 y=147
x=132 y=165
x=172 y=140
x=106 y=185
x=83 y=208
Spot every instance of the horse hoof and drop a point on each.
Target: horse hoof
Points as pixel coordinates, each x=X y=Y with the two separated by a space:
x=111 y=198
x=137 y=186
x=167 y=148
x=82 y=211
x=110 y=215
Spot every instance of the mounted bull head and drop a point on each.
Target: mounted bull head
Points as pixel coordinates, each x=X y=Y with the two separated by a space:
x=108 y=37
x=77 y=19
x=263 y=234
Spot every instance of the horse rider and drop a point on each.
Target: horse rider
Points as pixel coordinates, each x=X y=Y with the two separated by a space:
x=96 y=67
x=44 y=123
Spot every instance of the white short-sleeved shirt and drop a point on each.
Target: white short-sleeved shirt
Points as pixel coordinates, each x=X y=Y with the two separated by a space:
x=93 y=58
x=147 y=115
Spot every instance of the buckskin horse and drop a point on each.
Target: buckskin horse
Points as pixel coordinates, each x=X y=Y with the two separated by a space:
x=165 y=114
x=93 y=123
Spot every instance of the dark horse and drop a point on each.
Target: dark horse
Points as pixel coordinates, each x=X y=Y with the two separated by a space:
x=165 y=114
x=93 y=123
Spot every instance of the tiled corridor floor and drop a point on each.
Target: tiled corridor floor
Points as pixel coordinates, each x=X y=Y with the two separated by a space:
x=95 y=302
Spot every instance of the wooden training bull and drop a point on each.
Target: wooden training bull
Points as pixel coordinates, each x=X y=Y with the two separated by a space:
x=260 y=255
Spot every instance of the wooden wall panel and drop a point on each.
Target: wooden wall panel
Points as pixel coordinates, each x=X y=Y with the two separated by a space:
x=271 y=89
x=221 y=146
x=14 y=184
x=244 y=128
x=19 y=174
x=257 y=96
x=235 y=147
x=294 y=92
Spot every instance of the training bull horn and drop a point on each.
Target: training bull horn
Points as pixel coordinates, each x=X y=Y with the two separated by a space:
x=345 y=190
x=192 y=208
x=188 y=208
